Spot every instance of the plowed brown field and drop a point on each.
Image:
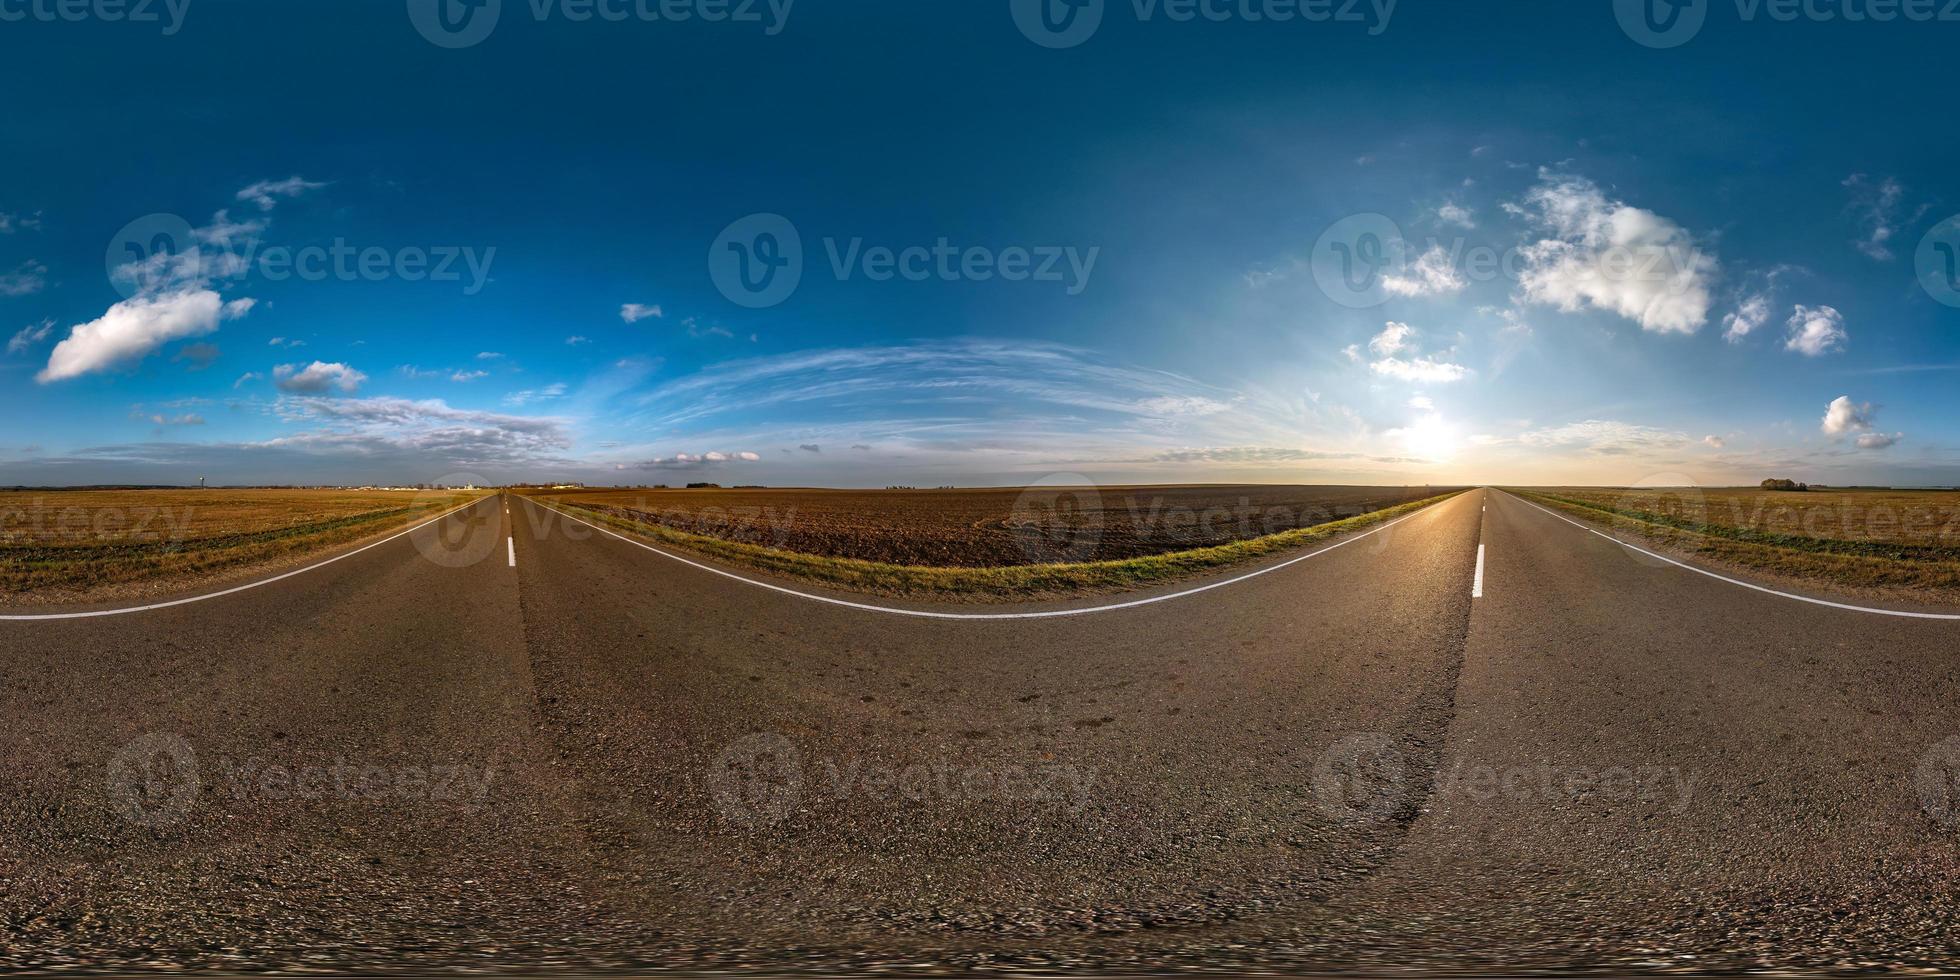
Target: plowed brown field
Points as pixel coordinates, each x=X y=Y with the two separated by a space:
x=993 y=527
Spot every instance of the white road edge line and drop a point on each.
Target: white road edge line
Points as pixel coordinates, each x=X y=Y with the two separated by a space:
x=238 y=588
x=1747 y=585
x=923 y=614
x=511 y=544
x=1477 y=582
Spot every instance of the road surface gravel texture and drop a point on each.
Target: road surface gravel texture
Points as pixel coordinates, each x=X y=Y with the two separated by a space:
x=428 y=757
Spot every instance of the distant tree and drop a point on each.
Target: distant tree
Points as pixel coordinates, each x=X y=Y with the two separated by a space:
x=1785 y=485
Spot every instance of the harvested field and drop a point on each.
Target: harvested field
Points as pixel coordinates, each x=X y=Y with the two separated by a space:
x=63 y=545
x=989 y=528
x=1856 y=538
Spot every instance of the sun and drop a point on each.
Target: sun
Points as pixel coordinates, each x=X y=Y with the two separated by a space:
x=1431 y=438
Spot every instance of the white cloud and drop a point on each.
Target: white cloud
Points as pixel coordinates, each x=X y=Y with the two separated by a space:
x=576 y=340
x=1419 y=369
x=1612 y=256
x=528 y=395
x=1262 y=277
x=30 y=335
x=489 y=355
x=1176 y=406
x=1430 y=274
x=421 y=431
x=1815 y=331
x=10 y=223
x=688 y=461
x=1714 y=442
x=635 y=312
x=173 y=298
x=1397 y=339
x=247 y=376
x=1353 y=352
x=464 y=377
x=1456 y=214
x=1394 y=338
x=285 y=342
x=266 y=193
x=134 y=327
x=1422 y=403
x=1844 y=416
x=1877 y=208
x=189 y=418
x=318 y=378
x=28 y=278
x=1749 y=315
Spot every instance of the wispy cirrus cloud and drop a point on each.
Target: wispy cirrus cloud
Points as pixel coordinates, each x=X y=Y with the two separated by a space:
x=29 y=335
x=267 y=194
x=26 y=279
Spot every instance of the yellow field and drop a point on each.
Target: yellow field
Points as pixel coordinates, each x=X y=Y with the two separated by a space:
x=78 y=544
x=1861 y=538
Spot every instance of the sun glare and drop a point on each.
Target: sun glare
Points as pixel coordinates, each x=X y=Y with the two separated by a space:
x=1431 y=438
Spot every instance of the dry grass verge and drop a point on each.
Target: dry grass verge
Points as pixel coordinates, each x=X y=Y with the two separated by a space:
x=1924 y=570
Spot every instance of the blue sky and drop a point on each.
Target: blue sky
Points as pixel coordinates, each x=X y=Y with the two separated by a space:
x=1428 y=242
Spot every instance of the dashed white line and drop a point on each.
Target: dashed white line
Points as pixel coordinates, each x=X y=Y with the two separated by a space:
x=923 y=614
x=511 y=544
x=1477 y=581
x=1748 y=585
x=238 y=588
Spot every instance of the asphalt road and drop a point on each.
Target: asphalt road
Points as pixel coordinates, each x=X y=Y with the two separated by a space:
x=509 y=740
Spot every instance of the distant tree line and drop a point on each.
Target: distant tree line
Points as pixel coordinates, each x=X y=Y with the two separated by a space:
x=1785 y=485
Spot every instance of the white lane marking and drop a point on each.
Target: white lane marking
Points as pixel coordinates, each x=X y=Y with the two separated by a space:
x=1477 y=583
x=511 y=543
x=239 y=588
x=1046 y=614
x=1748 y=585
